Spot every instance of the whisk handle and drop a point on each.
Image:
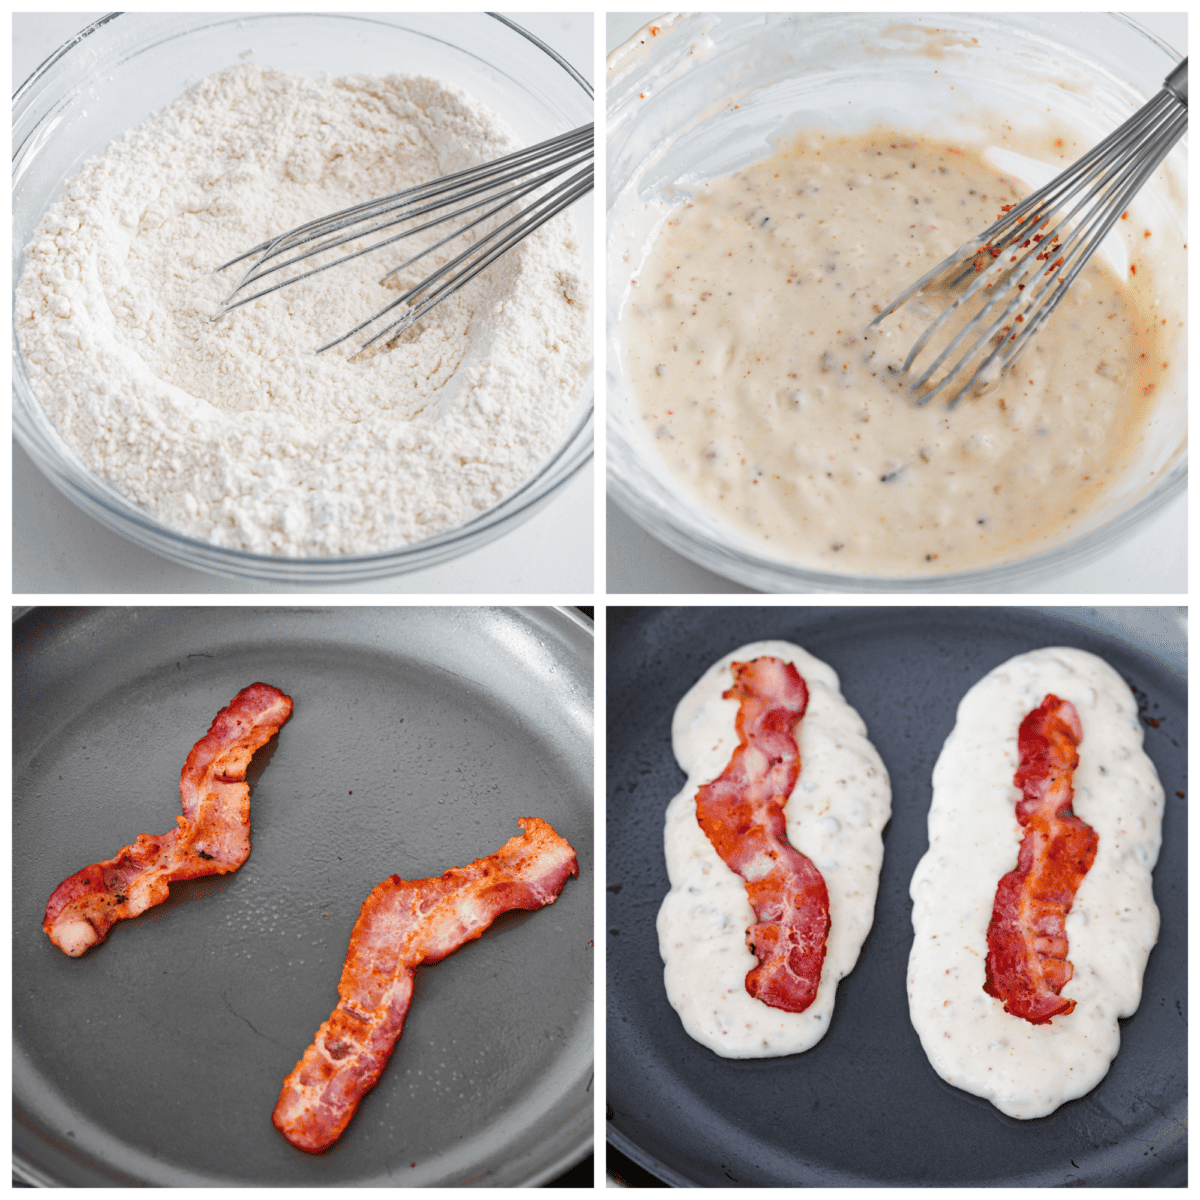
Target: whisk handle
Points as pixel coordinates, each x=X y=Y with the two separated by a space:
x=1176 y=82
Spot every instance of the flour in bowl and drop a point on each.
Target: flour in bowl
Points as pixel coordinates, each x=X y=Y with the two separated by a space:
x=234 y=431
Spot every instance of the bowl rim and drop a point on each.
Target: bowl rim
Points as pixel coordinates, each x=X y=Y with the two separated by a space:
x=106 y=504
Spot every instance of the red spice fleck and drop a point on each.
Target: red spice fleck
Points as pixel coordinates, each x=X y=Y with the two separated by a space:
x=654 y=31
x=1133 y=268
x=1146 y=234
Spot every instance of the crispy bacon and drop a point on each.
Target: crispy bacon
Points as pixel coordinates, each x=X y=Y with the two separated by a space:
x=212 y=836
x=401 y=925
x=1027 y=939
x=741 y=812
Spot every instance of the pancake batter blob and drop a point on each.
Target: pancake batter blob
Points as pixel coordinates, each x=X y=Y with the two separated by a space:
x=747 y=351
x=1027 y=1070
x=835 y=817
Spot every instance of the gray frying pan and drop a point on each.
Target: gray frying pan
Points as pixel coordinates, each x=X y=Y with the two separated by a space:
x=419 y=736
x=864 y=1107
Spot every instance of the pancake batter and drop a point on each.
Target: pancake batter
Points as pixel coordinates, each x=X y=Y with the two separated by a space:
x=1028 y=1070
x=835 y=816
x=747 y=350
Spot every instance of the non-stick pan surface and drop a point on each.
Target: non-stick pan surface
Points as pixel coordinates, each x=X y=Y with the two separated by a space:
x=419 y=736
x=864 y=1107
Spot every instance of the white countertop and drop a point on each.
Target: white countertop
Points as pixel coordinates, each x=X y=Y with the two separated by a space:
x=60 y=550
x=1151 y=562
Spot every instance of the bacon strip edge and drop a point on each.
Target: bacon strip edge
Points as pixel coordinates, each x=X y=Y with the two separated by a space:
x=1027 y=965
x=212 y=836
x=401 y=925
x=742 y=814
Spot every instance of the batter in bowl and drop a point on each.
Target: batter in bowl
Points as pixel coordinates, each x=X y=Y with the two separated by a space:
x=746 y=347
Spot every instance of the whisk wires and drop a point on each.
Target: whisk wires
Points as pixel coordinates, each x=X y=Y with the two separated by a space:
x=1020 y=267
x=492 y=187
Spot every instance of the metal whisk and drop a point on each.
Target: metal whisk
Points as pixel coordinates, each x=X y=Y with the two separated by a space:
x=492 y=186
x=1025 y=265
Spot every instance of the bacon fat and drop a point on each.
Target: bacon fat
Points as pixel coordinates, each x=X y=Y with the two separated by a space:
x=1027 y=963
x=212 y=836
x=741 y=812
x=401 y=925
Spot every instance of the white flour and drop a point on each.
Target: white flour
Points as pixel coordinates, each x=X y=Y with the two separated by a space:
x=235 y=432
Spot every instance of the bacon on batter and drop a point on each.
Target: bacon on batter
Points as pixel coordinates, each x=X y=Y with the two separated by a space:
x=741 y=812
x=212 y=836
x=401 y=925
x=1027 y=964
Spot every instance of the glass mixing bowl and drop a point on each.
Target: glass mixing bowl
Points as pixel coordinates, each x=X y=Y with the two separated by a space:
x=128 y=65
x=697 y=97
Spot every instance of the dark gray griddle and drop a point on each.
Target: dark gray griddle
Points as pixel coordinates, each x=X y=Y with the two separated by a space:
x=419 y=736
x=864 y=1107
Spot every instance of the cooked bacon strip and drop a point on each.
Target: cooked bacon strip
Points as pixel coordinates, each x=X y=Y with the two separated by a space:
x=1027 y=938
x=742 y=814
x=401 y=925
x=212 y=836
